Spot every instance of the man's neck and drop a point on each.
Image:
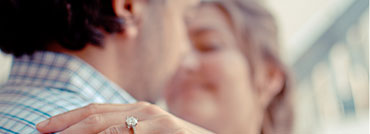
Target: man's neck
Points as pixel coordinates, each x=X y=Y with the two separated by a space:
x=116 y=64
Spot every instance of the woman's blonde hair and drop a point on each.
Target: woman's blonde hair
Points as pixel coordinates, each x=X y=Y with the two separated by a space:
x=257 y=32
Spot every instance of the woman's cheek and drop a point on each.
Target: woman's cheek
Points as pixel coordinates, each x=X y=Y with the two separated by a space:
x=214 y=69
x=226 y=71
x=229 y=73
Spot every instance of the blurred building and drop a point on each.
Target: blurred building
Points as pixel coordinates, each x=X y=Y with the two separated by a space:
x=326 y=44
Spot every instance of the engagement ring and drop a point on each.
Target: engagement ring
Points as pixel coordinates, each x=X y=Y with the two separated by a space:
x=131 y=122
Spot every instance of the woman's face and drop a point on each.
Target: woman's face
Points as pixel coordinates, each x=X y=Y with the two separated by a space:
x=212 y=85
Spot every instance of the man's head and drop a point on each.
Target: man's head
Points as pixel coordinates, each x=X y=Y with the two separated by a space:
x=29 y=26
x=135 y=43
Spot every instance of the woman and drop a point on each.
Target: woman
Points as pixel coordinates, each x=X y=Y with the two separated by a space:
x=231 y=83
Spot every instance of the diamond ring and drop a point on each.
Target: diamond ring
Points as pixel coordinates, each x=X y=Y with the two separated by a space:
x=131 y=122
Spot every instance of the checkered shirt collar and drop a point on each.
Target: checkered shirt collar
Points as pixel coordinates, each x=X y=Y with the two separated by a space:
x=65 y=72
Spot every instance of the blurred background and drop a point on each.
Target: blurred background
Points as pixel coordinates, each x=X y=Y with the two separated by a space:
x=326 y=46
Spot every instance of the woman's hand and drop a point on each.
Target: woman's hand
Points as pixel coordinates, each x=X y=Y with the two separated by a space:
x=110 y=119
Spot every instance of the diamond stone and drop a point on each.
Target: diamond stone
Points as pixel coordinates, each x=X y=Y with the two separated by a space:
x=131 y=121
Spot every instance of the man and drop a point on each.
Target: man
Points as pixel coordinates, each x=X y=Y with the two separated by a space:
x=70 y=53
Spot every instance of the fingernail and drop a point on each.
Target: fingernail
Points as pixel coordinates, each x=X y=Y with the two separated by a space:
x=43 y=123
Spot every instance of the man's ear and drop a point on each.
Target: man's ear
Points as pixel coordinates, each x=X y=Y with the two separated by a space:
x=271 y=84
x=122 y=8
x=129 y=11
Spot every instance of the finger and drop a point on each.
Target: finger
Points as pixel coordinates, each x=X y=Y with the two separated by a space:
x=142 y=128
x=150 y=126
x=99 y=122
x=64 y=120
x=163 y=124
x=118 y=129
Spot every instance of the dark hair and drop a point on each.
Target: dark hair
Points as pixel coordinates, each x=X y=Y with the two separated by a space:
x=27 y=26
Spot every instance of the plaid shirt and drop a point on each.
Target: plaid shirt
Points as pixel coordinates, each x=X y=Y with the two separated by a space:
x=48 y=83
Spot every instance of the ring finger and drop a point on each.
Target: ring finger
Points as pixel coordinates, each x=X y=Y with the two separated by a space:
x=99 y=122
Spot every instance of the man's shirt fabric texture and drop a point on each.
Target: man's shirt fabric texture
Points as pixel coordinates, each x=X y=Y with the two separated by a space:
x=48 y=83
